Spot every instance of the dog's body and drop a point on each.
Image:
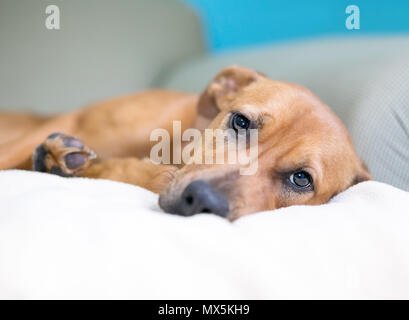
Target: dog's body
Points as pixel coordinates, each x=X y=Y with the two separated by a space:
x=299 y=138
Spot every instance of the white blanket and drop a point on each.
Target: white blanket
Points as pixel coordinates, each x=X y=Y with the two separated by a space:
x=81 y=238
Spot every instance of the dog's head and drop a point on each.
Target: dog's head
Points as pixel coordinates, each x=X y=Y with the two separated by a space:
x=304 y=156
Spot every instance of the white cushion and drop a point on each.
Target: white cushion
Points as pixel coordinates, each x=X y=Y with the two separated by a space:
x=82 y=238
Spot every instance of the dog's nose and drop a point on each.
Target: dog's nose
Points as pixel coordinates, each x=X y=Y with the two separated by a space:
x=199 y=197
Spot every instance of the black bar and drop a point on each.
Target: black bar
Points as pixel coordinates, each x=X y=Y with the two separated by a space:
x=203 y=309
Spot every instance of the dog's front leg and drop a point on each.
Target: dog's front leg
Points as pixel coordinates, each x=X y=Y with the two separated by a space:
x=140 y=172
x=67 y=156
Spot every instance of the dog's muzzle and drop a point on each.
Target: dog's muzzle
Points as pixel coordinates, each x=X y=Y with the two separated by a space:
x=198 y=197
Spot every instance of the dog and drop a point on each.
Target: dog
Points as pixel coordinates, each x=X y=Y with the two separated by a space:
x=305 y=154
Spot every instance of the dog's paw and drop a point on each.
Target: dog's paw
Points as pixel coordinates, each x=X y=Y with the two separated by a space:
x=62 y=155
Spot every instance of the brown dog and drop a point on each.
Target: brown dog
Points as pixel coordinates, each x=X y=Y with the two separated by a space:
x=305 y=155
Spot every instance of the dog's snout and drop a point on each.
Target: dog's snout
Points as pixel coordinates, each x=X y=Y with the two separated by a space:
x=200 y=197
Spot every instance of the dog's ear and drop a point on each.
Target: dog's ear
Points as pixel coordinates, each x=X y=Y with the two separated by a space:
x=362 y=174
x=224 y=87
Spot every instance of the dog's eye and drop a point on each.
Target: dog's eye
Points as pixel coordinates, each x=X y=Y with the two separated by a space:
x=301 y=179
x=240 y=122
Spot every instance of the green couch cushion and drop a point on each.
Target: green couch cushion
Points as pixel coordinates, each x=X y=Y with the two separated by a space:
x=380 y=126
x=104 y=48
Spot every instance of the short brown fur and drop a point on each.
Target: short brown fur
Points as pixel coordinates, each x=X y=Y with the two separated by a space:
x=297 y=131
